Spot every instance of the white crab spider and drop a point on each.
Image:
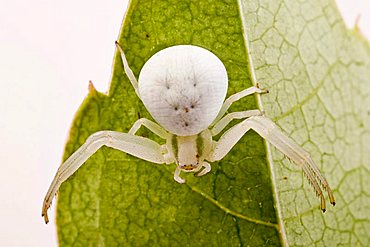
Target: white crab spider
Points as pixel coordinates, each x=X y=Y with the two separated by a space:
x=184 y=87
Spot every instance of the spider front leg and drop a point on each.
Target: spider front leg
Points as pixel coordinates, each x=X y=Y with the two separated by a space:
x=159 y=131
x=138 y=146
x=269 y=131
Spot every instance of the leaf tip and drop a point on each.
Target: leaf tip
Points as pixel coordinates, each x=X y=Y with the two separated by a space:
x=357 y=22
x=91 y=88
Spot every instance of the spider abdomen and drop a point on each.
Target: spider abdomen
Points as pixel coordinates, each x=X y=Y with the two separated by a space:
x=183 y=87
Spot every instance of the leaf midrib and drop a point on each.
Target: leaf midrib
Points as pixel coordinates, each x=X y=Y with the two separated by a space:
x=281 y=227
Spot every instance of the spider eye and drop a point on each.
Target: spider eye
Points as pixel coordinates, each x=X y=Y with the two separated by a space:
x=188 y=167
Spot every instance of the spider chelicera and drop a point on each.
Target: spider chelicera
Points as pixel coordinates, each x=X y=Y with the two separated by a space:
x=184 y=89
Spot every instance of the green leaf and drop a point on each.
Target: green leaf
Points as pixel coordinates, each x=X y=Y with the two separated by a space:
x=318 y=75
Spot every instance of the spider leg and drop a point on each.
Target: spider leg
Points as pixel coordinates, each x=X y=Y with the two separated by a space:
x=223 y=122
x=269 y=131
x=198 y=172
x=138 y=146
x=236 y=97
x=128 y=70
x=177 y=177
x=206 y=168
x=152 y=126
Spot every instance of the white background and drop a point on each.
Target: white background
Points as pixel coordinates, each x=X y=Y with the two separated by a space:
x=49 y=50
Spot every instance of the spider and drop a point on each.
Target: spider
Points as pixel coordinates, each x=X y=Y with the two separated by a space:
x=184 y=89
